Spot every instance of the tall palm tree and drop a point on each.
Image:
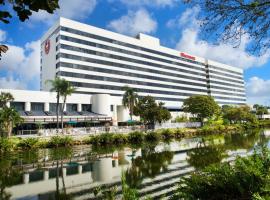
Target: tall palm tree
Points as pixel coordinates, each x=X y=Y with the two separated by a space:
x=130 y=99
x=5 y=97
x=58 y=87
x=67 y=90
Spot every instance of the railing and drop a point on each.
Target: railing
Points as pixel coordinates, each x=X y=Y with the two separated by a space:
x=179 y=125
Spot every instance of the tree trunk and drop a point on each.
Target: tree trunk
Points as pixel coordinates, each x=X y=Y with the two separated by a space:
x=57 y=111
x=9 y=129
x=62 y=114
x=63 y=180
x=130 y=112
x=57 y=180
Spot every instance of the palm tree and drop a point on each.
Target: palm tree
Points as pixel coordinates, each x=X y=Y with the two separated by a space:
x=3 y=49
x=9 y=118
x=5 y=97
x=68 y=89
x=130 y=99
x=57 y=86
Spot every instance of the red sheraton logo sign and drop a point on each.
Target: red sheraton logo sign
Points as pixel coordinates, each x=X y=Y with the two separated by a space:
x=187 y=56
x=47 y=46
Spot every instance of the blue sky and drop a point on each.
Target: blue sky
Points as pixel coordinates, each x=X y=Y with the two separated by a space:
x=174 y=23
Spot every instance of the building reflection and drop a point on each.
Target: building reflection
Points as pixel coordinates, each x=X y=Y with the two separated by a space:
x=153 y=170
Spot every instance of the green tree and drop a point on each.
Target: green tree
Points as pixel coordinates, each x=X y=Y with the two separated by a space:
x=238 y=114
x=203 y=106
x=260 y=109
x=67 y=90
x=232 y=20
x=130 y=99
x=24 y=9
x=151 y=112
x=9 y=118
x=5 y=97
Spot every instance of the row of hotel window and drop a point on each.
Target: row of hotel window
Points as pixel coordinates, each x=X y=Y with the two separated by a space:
x=87 y=51
x=129 y=74
x=142 y=83
x=98 y=37
x=20 y=106
x=93 y=44
x=90 y=60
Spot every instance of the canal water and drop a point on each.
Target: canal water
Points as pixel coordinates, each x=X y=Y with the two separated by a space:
x=80 y=172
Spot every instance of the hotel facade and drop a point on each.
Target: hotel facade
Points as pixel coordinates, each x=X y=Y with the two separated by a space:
x=99 y=63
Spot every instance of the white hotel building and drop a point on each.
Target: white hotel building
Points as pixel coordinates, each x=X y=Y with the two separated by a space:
x=99 y=63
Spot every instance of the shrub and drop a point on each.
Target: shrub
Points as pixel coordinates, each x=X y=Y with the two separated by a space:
x=152 y=136
x=60 y=141
x=6 y=145
x=120 y=139
x=179 y=133
x=167 y=134
x=246 y=178
x=136 y=137
x=102 y=139
x=29 y=143
x=181 y=119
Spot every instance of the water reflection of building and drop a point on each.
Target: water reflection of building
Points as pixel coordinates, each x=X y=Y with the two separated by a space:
x=81 y=176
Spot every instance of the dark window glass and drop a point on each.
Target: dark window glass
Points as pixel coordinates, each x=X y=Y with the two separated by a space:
x=71 y=107
x=111 y=108
x=227 y=84
x=87 y=107
x=19 y=106
x=52 y=107
x=225 y=70
x=226 y=79
x=37 y=106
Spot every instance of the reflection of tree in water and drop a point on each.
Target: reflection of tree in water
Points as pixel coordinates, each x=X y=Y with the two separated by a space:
x=59 y=155
x=149 y=164
x=205 y=155
x=8 y=177
x=242 y=141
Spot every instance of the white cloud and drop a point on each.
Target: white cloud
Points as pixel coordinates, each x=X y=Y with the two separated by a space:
x=258 y=91
x=134 y=23
x=79 y=9
x=10 y=83
x=3 y=35
x=225 y=53
x=22 y=65
x=152 y=3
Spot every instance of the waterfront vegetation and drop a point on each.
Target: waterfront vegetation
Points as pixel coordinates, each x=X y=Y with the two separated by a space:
x=111 y=139
x=247 y=178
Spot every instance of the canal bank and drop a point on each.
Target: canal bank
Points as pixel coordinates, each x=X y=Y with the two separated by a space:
x=104 y=139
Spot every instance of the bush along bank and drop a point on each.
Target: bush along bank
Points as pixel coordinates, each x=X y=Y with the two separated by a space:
x=106 y=139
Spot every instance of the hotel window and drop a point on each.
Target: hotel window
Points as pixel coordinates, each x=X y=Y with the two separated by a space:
x=37 y=106
x=87 y=107
x=52 y=107
x=71 y=107
x=19 y=106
